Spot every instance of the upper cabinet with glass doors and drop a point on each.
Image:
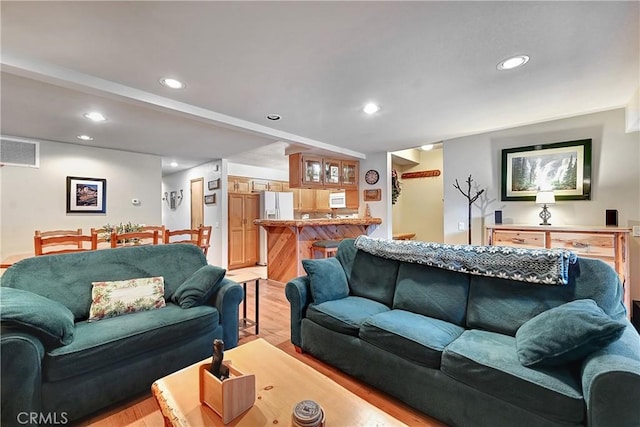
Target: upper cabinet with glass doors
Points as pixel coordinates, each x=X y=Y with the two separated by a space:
x=308 y=171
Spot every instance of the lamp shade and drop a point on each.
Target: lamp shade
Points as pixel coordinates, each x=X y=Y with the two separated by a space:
x=545 y=198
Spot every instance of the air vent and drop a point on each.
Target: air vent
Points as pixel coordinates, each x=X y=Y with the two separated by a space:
x=19 y=152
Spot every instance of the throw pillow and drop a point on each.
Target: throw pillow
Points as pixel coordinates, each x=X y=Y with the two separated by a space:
x=566 y=333
x=199 y=288
x=110 y=299
x=46 y=318
x=327 y=278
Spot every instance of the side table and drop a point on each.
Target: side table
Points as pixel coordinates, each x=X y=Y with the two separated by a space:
x=243 y=279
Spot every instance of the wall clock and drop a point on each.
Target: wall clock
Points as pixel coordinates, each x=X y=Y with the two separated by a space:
x=371 y=177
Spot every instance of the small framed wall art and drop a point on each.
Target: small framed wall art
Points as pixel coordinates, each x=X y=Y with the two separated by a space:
x=214 y=185
x=86 y=195
x=210 y=199
x=374 y=195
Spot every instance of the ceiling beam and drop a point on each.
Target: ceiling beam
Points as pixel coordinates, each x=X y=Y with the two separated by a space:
x=85 y=83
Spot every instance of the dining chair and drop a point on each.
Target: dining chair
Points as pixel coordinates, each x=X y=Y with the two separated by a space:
x=103 y=235
x=160 y=228
x=189 y=235
x=196 y=236
x=204 y=237
x=134 y=238
x=44 y=241
x=54 y=233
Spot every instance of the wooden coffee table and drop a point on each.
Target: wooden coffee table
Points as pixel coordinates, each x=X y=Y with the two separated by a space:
x=281 y=382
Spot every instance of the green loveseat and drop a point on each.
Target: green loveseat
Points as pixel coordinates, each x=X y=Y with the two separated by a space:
x=474 y=350
x=58 y=365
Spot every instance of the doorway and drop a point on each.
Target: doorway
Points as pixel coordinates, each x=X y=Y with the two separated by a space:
x=197 y=203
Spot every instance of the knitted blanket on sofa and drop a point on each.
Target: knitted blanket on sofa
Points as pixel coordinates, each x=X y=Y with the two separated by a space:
x=543 y=266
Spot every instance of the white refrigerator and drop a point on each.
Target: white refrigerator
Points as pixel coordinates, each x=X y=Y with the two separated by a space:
x=273 y=205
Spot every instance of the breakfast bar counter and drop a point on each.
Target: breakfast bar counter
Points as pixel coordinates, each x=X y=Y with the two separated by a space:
x=289 y=240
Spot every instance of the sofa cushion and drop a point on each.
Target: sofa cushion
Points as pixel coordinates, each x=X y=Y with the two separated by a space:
x=432 y=291
x=566 y=333
x=412 y=336
x=199 y=287
x=345 y=315
x=47 y=319
x=369 y=276
x=110 y=299
x=488 y=362
x=115 y=341
x=326 y=278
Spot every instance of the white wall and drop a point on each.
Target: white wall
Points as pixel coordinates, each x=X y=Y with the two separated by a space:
x=214 y=215
x=615 y=178
x=380 y=162
x=35 y=199
x=419 y=208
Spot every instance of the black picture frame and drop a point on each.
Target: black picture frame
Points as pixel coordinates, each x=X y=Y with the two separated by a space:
x=86 y=195
x=210 y=199
x=564 y=167
x=214 y=185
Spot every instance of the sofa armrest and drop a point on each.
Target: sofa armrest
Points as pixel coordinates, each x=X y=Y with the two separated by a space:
x=611 y=382
x=298 y=293
x=21 y=367
x=226 y=299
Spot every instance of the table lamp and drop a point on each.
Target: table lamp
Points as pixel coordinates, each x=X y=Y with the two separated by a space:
x=545 y=198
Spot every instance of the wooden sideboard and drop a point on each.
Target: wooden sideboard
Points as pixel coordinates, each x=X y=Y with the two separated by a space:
x=609 y=244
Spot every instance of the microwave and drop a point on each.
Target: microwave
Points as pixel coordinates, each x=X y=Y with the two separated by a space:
x=338 y=200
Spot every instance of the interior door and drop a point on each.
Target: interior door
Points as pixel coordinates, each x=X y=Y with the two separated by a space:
x=236 y=230
x=251 y=230
x=197 y=202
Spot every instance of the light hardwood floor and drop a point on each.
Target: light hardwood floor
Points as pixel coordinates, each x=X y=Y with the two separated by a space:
x=275 y=329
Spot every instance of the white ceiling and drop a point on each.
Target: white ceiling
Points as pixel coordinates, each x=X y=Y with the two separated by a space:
x=430 y=65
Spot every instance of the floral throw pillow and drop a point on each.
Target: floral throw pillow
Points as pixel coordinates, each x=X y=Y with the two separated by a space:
x=110 y=299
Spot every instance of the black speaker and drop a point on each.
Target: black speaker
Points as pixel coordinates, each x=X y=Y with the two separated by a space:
x=611 y=217
x=498 y=217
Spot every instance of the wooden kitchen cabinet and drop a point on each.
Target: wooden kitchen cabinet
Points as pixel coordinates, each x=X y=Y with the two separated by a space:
x=352 y=199
x=239 y=184
x=308 y=200
x=322 y=200
x=307 y=171
x=276 y=186
x=609 y=244
x=243 y=233
x=349 y=176
x=332 y=173
x=258 y=185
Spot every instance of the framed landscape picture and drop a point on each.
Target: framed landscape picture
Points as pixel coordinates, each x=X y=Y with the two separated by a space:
x=564 y=167
x=86 y=195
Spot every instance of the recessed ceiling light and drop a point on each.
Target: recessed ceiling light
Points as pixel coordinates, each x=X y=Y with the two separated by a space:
x=172 y=83
x=85 y=137
x=95 y=116
x=174 y=164
x=274 y=117
x=513 y=62
x=371 y=108
x=427 y=147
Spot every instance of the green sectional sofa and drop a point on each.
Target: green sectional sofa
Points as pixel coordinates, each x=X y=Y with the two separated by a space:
x=474 y=346
x=59 y=365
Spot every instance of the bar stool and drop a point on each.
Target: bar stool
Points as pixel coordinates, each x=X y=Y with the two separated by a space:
x=327 y=248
